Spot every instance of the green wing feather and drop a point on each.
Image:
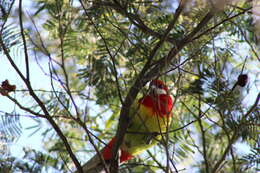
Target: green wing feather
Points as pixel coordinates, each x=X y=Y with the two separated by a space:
x=145 y=130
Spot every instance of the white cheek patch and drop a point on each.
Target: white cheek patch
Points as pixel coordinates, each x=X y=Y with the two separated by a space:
x=157 y=90
x=160 y=91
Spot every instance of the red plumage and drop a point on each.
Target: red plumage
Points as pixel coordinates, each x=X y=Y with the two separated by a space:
x=160 y=104
x=107 y=152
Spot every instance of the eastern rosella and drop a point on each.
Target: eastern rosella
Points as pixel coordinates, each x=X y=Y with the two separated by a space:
x=150 y=116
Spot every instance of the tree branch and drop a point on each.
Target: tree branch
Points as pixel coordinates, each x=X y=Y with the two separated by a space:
x=25 y=108
x=235 y=136
x=42 y=106
x=220 y=23
x=137 y=21
x=146 y=75
x=203 y=137
x=26 y=56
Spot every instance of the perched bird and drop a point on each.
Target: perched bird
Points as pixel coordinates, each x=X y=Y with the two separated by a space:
x=150 y=116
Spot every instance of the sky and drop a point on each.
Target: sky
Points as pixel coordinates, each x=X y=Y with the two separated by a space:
x=39 y=81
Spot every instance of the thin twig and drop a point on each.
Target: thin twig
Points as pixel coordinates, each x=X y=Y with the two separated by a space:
x=25 y=108
x=139 y=83
x=84 y=126
x=235 y=136
x=156 y=161
x=42 y=106
x=111 y=56
x=26 y=56
x=220 y=23
x=6 y=15
x=62 y=32
x=203 y=137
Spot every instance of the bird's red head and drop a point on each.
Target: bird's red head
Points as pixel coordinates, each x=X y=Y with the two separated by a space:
x=158 y=87
x=158 y=99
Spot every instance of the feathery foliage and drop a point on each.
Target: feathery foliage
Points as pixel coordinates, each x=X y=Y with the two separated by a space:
x=101 y=54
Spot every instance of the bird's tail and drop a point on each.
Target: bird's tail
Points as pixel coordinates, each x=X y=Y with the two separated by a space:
x=94 y=165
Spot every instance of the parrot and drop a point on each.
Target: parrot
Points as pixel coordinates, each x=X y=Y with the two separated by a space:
x=149 y=117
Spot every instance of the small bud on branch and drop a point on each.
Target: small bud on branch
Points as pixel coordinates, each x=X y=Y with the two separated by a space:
x=6 y=88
